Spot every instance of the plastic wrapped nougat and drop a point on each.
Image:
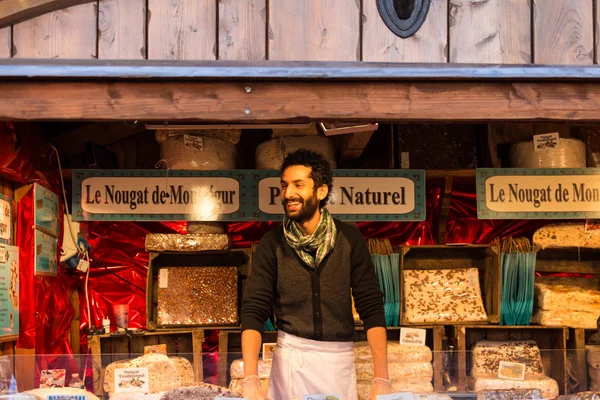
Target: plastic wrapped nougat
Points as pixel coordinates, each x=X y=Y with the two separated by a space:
x=548 y=386
x=445 y=295
x=509 y=394
x=165 y=373
x=564 y=317
x=487 y=355
x=561 y=297
x=397 y=353
x=237 y=369
x=421 y=371
x=566 y=235
x=364 y=388
x=191 y=242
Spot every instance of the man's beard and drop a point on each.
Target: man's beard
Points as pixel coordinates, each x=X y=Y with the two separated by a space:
x=307 y=210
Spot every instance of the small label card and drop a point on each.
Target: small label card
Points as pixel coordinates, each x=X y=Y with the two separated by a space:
x=397 y=396
x=546 y=141
x=58 y=396
x=511 y=370
x=131 y=380
x=51 y=378
x=156 y=349
x=267 y=351
x=321 y=397
x=193 y=142
x=592 y=225
x=413 y=337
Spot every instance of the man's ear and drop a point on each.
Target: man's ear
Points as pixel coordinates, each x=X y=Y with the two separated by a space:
x=322 y=192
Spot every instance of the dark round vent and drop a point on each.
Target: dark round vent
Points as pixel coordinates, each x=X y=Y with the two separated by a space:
x=403 y=17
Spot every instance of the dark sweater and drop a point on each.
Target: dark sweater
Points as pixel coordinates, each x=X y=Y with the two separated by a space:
x=313 y=304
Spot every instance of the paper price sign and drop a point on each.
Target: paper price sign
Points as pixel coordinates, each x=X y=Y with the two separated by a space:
x=511 y=370
x=413 y=337
x=267 y=350
x=396 y=396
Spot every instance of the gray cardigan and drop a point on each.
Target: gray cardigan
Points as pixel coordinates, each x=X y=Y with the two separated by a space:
x=313 y=303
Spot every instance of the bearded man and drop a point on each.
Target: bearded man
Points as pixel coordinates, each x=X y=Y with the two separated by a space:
x=305 y=272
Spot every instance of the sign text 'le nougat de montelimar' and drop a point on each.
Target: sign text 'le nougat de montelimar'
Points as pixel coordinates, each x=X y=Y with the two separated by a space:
x=546 y=193
x=238 y=195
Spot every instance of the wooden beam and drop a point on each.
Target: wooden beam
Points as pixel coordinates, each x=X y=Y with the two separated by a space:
x=15 y=11
x=73 y=142
x=353 y=146
x=299 y=101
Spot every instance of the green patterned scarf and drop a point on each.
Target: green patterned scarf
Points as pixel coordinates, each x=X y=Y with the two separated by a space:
x=322 y=240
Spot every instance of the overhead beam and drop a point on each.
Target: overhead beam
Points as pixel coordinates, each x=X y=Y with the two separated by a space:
x=260 y=101
x=353 y=146
x=73 y=142
x=15 y=11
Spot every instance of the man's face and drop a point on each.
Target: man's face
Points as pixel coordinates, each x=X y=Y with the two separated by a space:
x=298 y=195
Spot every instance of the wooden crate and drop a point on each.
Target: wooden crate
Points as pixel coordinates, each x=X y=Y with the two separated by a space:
x=483 y=257
x=110 y=348
x=191 y=259
x=551 y=341
x=583 y=267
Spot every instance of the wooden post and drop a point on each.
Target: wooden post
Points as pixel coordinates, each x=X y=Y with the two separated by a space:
x=446 y=198
x=223 y=352
x=197 y=339
x=461 y=345
x=98 y=370
x=75 y=335
x=438 y=356
x=24 y=367
x=580 y=359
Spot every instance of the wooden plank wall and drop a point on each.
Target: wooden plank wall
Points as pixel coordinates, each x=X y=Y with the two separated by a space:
x=564 y=31
x=182 y=30
x=69 y=33
x=242 y=30
x=456 y=31
x=122 y=29
x=5 y=42
x=429 y=44
x=317 y=30
x=490 y=31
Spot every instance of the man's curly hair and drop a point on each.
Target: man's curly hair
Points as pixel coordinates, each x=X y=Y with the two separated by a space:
x=320 y=169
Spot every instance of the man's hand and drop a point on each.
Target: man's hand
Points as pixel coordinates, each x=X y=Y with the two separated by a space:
x=251 y=389
x=380 y=386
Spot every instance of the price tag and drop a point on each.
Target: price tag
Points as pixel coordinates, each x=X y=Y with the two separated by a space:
x=592 y=225
x=546 y=141
x=397 y=396
x=413 y=337
x=510 y=370
x=59 y=396
x=193 y=142
x=163 y=278
x=230 y=398
x=321 y=397
x=267 y=351
x=51 y=378
x=132 y=380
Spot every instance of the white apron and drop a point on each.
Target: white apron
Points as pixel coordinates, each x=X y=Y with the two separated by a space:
x=303 y=366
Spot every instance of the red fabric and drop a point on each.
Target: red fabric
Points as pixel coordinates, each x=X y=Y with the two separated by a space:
x=119 y=276
x=408 y=233
x=464 y=227
x=45 y=310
